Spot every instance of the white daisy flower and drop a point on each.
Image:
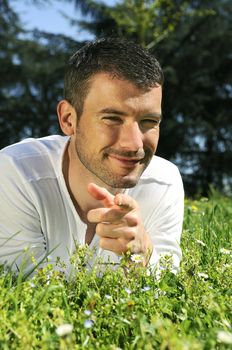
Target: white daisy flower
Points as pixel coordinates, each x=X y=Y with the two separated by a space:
x=145 y=289
x=128 y=290
x=137 y=258
x=107 y=296
x=226 y=323
x=203 y=275
x=225 y=251
x=64 y=329
x=224 y=337
x=88 y=323
x=87 y=312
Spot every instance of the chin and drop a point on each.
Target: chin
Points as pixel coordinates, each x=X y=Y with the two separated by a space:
x=130 y=184
x=123 y=183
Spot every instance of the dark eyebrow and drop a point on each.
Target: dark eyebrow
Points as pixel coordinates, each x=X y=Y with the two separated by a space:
x=117 y=112
x=111 y=111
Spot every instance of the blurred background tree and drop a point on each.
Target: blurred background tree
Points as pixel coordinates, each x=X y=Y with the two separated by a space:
x=31 y=71
x=191 y=39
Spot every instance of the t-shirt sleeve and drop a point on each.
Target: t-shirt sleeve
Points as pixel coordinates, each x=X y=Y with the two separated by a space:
x=22 y=242
x=165 y=224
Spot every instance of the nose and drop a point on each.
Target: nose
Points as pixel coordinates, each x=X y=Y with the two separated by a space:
x=131 y=137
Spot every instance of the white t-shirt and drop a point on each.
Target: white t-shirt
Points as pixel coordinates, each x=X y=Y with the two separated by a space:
x=37 y=214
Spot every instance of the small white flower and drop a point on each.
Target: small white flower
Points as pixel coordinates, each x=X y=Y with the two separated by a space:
x=200 y=242
x=225 y=251
x=224 y=337
x=137 y=258
x=203 y=275
x=48 y=279
x=88 y=323
x=128 y=290
x=158 y=273
x=64 y=329
x=145 y=289
x=87 y=312
x=226 y=266
x=107 y=296
x=226 y=323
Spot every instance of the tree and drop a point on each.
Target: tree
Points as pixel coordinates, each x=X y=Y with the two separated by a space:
x=31 y=79
x=9 y=31
x=198 y=99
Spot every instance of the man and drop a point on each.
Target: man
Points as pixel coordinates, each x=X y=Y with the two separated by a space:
x=100 y=184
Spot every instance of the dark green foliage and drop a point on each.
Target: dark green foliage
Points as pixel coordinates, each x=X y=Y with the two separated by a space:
x=198 y=99
x=31 y=79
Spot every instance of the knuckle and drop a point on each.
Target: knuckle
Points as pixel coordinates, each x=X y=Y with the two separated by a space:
x=123 y=245
x=99 y=229
x=132 y=219
x=130 y=234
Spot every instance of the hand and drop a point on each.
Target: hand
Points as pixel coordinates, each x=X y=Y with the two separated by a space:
x=119 y=223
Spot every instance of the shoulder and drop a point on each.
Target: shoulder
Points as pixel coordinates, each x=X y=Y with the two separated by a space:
x=160 y=195
x=161 y=171
x=32 y=146
x=33 y=157
x=160 y=180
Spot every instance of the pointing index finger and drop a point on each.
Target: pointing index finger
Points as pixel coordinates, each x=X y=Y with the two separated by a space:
x=101 y=194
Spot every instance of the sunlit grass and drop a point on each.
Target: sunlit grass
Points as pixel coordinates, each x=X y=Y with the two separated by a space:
x=114 y=310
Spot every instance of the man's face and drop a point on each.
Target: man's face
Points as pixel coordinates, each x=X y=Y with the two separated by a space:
x=118 y=131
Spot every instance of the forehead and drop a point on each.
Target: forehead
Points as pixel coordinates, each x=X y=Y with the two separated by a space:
x=105 y=89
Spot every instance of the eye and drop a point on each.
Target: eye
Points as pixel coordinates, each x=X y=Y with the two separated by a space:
x=150 y=123
x=112 y=120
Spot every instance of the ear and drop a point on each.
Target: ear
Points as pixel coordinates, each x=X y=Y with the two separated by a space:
x=67 y=117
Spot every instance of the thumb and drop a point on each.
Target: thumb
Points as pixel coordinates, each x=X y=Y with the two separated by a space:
x=101 y=194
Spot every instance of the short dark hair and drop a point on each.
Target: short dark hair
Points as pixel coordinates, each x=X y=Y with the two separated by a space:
x=120 y=58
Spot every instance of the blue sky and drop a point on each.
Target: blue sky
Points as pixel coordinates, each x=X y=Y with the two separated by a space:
x=48 y=16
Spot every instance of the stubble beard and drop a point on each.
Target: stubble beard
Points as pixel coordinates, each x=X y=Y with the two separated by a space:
x=98 y=168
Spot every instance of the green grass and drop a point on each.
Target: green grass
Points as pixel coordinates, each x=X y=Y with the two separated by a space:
x=114 y=310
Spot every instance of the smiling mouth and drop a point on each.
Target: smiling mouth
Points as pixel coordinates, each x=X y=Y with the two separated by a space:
x=125 y=161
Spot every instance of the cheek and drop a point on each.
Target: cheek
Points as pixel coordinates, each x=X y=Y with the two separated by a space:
x=107 y=135
x=151 y=139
